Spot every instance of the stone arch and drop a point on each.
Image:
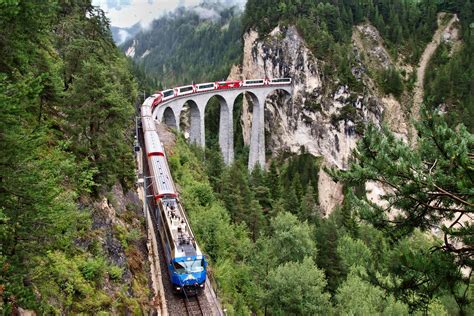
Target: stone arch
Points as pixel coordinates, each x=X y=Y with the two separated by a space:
x=253 y=111
x=224 y=126
x=282 y=88
x=169 y=118
x=214 y=105
x=192 y=122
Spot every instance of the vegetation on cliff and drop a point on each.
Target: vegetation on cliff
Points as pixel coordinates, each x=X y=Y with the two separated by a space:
x=66 y=96
x=449 y=83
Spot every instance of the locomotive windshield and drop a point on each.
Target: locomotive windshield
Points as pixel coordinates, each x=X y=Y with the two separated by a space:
x=191 y=266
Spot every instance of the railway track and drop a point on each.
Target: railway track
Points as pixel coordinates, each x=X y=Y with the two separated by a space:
x=192 y=305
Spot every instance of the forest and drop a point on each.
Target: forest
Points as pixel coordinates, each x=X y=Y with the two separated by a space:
x=67 y=96
x=273 y=250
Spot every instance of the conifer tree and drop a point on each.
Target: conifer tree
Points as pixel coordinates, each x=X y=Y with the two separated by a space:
x=309 y=209
x=429 y=186
x=273 y=181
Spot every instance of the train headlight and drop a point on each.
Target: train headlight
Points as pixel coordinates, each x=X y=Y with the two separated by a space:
x=178 y=288
x=201 y=285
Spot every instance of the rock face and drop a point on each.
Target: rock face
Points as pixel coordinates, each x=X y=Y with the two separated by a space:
x=322 y=116
x=118 y=232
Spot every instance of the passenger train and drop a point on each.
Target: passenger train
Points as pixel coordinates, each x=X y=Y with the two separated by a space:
x=166 y=95
x=185 y=261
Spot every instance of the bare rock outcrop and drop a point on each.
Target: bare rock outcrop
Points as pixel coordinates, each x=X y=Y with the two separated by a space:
x=322 y=116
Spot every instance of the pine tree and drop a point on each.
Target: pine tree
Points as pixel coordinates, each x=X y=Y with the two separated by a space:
x=430 y=184
x=273 y=181
x=309 y=209
x=327 y=235
x=291 y=201
x=261 y=191
x=214 y=166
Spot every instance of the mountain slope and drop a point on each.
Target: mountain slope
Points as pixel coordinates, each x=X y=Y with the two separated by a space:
x=196 y=44
x=69 y=235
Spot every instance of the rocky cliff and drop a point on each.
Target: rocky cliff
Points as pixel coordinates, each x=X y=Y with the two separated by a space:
x=322 y=116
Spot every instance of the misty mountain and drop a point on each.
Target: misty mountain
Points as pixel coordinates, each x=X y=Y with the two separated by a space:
x=121 y=34
x=189 y=44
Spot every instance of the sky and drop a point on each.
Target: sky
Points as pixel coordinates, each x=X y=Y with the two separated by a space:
x=125 y=13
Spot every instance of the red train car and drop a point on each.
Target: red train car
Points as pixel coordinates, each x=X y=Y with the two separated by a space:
x=228 y=84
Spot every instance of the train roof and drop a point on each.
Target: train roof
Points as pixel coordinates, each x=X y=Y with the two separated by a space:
x=148 y=124
x=162 y=177
x=152 y=142
x=185 y=245
x=204 y=83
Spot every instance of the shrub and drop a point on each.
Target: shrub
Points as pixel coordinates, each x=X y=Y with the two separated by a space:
x=93 y=268
x=115 y=272
x=391 y=82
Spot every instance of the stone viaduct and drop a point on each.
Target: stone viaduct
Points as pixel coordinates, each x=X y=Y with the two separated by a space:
x=169 y=112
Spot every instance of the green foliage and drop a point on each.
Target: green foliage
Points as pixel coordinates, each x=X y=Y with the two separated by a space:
x=422 y=273
x=239 y=199
x=430 y=185
x=358 y=297
x=127 y=236
x=290 y=240
x=436 y=308
x=297 y=288
x=57 y=57
x=93 y=269
x=298 y=173
x=449 y=81
x=391 y=82
x=309 y=208
x=327 y=234
x=61 y=281
x=115 y=272
x=354 y=253
x=347 y=113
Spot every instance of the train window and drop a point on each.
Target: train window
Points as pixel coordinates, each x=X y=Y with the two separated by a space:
x=205 y=86
x=254 y=81
x=186 y=89
x=281 y=80
x=168 y=93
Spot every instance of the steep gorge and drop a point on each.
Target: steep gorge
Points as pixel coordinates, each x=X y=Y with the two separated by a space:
x=324 y=116
x=321 y=116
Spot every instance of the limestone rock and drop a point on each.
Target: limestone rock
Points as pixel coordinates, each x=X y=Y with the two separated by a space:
x=313 y=117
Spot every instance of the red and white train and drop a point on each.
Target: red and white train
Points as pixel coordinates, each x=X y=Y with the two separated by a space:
x=165 y=95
